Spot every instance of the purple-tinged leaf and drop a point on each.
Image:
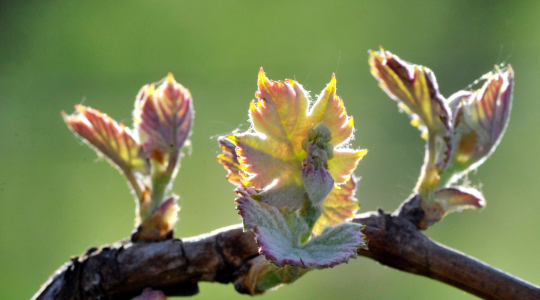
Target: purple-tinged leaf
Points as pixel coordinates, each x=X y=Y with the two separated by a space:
x=279 y=237
x=163 y=117
x=107 y=137
x=481 y=119
x=447 y=200
x=458 y=198
x=317 y=181
x=415 y=87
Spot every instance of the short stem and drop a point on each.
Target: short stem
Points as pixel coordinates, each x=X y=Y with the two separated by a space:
x=430 y=178
x=161 y=180
x=311 y=214
x=135 y=185
x=446 y=177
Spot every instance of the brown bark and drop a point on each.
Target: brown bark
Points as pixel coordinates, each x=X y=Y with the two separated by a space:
x=124 y=269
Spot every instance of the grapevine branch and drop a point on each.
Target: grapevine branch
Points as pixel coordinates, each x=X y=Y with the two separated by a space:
x=152 y=258
x=124 y=269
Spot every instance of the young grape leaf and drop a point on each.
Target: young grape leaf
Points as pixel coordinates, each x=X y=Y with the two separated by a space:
x=481 y=119
x=229 y=160
x=271 y=156
x=163 y=117
x=338 y=207
x=279 y=237
x=416 y=90
x=107 y=137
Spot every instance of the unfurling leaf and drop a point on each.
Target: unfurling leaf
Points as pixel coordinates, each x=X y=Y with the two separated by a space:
x=292 y=167
x=107 y=137
x=279 y=237
x=163 y=119
x=481 y=118
x=113 y=140
x=461 y=131
x=416 y=90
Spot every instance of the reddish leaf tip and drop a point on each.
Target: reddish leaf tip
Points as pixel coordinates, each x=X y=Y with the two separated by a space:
x=331 y=87
x=170 y=78
x=263 y=80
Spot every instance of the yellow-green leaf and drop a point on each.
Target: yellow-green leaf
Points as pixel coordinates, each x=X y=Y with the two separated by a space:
x=338 y=207
x=229 y=160
x=271 y=154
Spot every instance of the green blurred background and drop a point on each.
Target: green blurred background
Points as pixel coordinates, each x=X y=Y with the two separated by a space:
x=57 y=198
